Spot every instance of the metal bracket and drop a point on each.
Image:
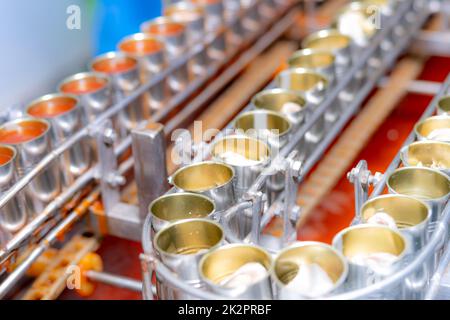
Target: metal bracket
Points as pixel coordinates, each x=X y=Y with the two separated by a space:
x=257 y=199
x=362 y=179
x=292 y=176
x=150 y=171
x=110 y=180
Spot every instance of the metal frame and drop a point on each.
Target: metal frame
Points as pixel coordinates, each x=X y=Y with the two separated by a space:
x=107 y=170
x=152 y=264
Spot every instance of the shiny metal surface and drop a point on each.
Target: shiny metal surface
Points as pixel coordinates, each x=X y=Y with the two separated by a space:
x=343 y=48
x=277 y=99
x=179 y=206
x=323 y=62
x=254 y=155
x=13 y=216
x=366 y=239
x=267 y=125
x=65 y=114
x=224 y=261
x=315 y=87
x=288 y=261
x=411 y=215
x=212 y=179
x=173 y=35
x=182 y=243
x=34 y=143
x=149 y=52
x=424 y=128
x=430 y=154
x=426 y=184
x=192 y=16
x=123 y=73
x=92 y=89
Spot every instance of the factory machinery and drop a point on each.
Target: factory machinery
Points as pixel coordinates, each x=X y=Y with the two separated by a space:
x=201 y=206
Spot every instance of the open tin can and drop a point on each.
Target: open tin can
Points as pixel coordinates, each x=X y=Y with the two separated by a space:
x=210 y=178
x=179 y=206
x=429 y=154
x=267 y=125
x=193 y=18
x=217 y=265
x=180 y=246
x=429 y=185
x=65 y=115
x=323 y=62
x=342 y=47
x=360 y=243
x=149 y=52
x=289 y=261
x=433 y=128
x=248 y=157
x=173 y=35
x=31 y=138
x=123 y=73
x=411 y=216
x=314 y=86
x=92 y=89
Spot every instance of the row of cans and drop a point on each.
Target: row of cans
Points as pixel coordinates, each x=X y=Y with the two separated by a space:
x=52 y=118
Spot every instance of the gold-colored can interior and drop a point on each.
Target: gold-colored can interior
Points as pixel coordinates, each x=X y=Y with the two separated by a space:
x=249 y=148
x=188 y=237
x=274 y=100
x=369 y=240
x=287 y=263
x=203 y=176
x=419 y=182
x=425 y=127
x=444 y=104
x=222 y=262
x=406 y=211
x=263 y=120
x=305 y=81
x=311 y=59
x=331 y=41
x=180 y=206
x=429 y=154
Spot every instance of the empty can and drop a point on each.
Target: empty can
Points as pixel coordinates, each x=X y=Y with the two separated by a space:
x=210 y=178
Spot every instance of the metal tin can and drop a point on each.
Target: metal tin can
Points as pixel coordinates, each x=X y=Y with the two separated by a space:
x=65 y=115
x=288 y=262
x=149 y=53
x=210 y=178
x=179 y=206
x=32 y=139
x=367 y=239
x=224 y=261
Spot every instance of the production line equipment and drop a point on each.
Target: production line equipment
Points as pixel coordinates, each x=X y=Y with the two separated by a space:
x=108 y=128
